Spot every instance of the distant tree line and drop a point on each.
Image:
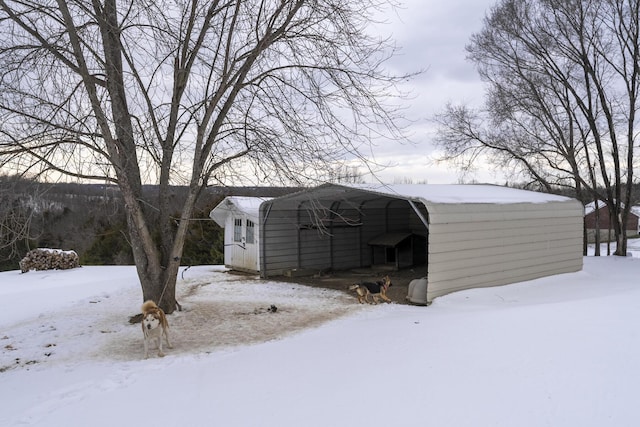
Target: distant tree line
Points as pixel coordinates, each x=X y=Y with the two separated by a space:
x=90 y=219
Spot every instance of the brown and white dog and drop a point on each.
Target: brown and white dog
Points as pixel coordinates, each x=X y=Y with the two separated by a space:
x=154 y=327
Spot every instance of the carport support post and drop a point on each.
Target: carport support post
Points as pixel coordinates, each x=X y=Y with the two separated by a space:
x=262 y=233
x=426 y=225
x=417 y=211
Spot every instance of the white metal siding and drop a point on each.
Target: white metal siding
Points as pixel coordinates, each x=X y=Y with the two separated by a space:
x=478 y=245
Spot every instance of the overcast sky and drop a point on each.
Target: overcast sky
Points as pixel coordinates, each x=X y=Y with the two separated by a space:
x=432 y=35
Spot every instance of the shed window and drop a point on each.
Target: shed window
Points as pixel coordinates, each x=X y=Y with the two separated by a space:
x=250 y=231
x=237 y=230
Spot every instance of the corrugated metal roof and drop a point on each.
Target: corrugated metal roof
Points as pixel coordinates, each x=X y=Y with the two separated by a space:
x=462 y=193
x=429 y=193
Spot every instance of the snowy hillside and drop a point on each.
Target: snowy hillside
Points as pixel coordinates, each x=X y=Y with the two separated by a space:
x=557 y=351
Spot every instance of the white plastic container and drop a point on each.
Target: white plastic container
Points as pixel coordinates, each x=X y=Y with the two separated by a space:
x=418 y=291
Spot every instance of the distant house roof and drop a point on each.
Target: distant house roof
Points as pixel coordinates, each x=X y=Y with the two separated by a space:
x=591 y=207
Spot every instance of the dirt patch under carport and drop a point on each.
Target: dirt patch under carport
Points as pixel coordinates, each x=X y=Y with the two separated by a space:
x=340 y=280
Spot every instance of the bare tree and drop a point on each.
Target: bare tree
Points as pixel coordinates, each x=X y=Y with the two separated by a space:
x=563 y=80
x=188 y=92
x=18 y=203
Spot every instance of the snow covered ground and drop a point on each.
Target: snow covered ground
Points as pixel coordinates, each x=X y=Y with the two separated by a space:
x=557 y=351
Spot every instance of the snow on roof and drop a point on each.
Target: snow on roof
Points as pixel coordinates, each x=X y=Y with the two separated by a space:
x=462 y=193
x=591 y=207
x=236 y=205
x=245 y=203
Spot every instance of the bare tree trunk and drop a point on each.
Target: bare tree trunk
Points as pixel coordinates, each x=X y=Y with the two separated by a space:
x=597 y=232
x=16 y=218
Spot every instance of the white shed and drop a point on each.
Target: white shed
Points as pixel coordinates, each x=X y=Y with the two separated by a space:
x=239 y=216
x=467 y=235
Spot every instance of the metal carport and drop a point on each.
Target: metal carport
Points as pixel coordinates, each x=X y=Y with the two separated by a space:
x=474 y=235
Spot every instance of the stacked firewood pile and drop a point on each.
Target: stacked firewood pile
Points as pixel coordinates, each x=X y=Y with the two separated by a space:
x=49 y=259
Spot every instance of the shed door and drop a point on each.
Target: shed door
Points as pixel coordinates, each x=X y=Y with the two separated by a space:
x=244 y=252
x=251 y=252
